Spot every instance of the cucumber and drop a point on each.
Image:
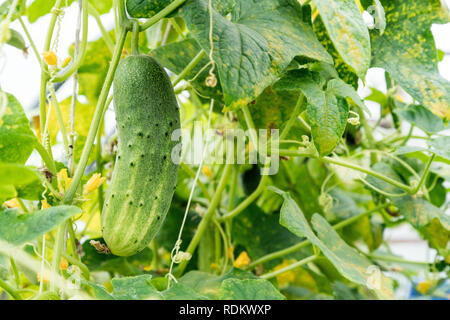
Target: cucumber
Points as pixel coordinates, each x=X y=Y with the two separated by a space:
x=144 y=177
x=145 y=8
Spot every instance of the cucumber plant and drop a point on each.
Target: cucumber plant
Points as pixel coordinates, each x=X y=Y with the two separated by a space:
x=243 y=162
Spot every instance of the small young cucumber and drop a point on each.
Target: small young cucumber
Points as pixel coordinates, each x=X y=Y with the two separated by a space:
x=144 y=176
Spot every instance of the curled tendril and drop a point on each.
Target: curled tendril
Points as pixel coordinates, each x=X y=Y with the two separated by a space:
x=355 y=120
x=179 y=256
x=211 y=81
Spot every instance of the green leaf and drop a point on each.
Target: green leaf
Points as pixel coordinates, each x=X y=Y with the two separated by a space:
x=420 y=212
x=145 y=8
x=347 y=30
x=344 y=90
x=18 y=228
x=135 y=288
x=328 y=121
x=208 y=284
x=16 y=180
x=440 y=146
x=422 y=118
x=40 y=8
x=177 y=55
x=17 y=141
x=249 y=289
x=351 y=264
x=255 y=46
x=180 y=292
x=407 y=51
x=432 y=223
x=102 y=6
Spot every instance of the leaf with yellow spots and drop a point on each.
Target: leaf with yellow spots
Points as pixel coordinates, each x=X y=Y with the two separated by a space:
x=254 y=42
x=17 y=140
x=348 y=31
x=407 y=51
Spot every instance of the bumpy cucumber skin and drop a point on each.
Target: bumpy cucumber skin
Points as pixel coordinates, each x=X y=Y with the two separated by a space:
x=145 y=8
x=144 y=176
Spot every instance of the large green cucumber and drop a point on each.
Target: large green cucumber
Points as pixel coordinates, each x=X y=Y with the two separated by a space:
x=145 y=8
x=144 y=176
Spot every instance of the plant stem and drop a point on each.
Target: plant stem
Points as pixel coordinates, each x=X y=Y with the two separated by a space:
x=98 y=115
x=289 y=267
x=57 y=251
x=293 y=117
x=135 y=38
x=367 y=171
x=163 y=13
x=105 y=35
x=72 y=239
x=46 y=157
x=305 y=243
x=32 y=44
x=44 y=69
x=10 y=290
x=424 y=174
x=83 y=46
x=100 y=168
x=60 y=120
x=190 y=172
x=15 y=271
x=189 y=67
x=207 y=217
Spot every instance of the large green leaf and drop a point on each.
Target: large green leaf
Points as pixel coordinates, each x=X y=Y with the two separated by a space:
x=180 y=292
x=249 y=289
x=17 y=141
x=17 y=228
x=422 y=118
x=254 y=45
x=347 y=30
x=208 y=285
x=135 y=288
x=407 y=51
x=351 y=264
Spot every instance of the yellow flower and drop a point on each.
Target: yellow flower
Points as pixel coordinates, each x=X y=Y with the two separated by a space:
x=63 y=265
x=66 y=62
x=424 y=286
x=207 y=171
x=242 y=261
x=46 y=278
x=148 y=268
x=285 y=277
x=50 y=58
x=45 y=204
x=13 y=203
x=63 y=180
x=93 y=183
